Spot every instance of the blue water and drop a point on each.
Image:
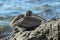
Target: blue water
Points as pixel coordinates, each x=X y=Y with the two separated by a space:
x=10 y=8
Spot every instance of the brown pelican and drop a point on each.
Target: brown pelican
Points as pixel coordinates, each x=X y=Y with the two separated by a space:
x=28 y=22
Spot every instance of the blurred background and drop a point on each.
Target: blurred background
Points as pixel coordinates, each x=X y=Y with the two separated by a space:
x=10 y=8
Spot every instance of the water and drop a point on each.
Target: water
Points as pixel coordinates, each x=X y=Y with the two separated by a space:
x=11 y=8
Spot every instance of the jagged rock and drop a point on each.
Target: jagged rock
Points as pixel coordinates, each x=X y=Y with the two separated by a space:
x=53 y=30
x=41 y=33
x=45 y=31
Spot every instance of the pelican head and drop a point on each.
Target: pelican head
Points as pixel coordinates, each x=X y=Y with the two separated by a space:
x=28 y=13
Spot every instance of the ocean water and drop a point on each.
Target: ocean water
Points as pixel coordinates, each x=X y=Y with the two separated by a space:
x=11 y=8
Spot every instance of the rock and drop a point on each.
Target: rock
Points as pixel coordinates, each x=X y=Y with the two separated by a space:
x=48 y=30
x=53 y=30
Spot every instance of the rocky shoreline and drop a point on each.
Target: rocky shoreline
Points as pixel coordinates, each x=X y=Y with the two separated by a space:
x=48 y=30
